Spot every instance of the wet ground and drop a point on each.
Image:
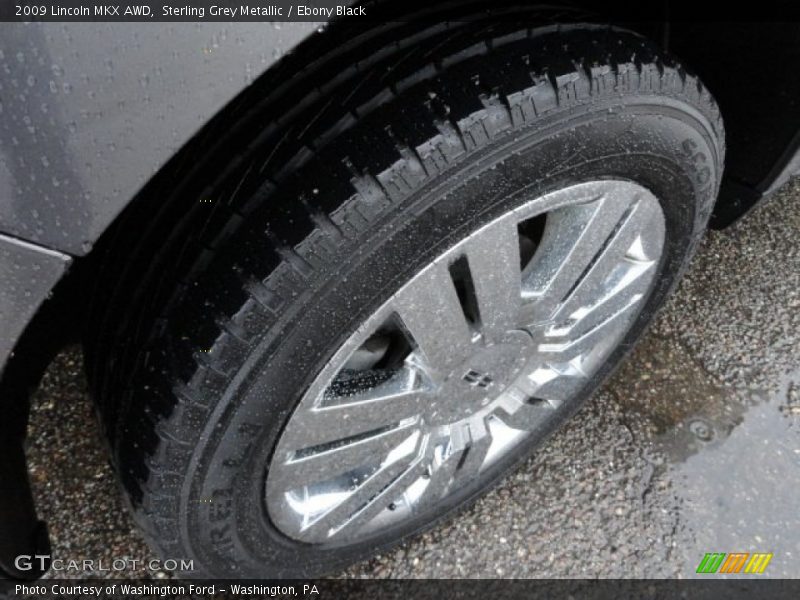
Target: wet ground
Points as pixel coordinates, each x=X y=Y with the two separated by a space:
x=692 y=447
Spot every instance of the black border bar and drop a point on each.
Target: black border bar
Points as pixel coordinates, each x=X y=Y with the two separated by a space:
x=357 y=589
x=378 y=10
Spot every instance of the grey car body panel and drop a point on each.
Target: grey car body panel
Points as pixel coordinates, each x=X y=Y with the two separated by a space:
x=90 y=111
x=28 y=273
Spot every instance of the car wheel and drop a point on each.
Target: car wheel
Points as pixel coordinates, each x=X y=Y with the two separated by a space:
x=403 y=316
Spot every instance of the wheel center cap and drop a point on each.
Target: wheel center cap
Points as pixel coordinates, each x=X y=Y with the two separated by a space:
x=478 y=380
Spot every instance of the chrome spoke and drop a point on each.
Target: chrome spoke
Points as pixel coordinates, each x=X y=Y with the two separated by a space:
x=631 y=285
x=366 y=502
x=471 y=356
x=444 y=341
x=386 y=405
x=493 y=257
x=516 y=409
x=606 y=330
x=315 y=466
x=554 y=383
x=440 y=480
x=470 y=463
x=594 y=281
x=575 y=240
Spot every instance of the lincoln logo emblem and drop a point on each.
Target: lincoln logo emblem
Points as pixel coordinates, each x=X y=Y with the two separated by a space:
x=476 y=379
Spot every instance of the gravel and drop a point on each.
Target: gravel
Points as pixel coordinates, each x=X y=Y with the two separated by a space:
x=692 y=447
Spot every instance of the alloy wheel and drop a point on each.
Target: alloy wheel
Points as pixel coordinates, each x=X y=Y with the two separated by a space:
x=477 y=352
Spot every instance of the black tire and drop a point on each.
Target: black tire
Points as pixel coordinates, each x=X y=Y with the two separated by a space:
x=243 y=312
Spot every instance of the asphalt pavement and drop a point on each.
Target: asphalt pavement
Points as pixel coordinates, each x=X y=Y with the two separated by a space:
x=692 y=447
